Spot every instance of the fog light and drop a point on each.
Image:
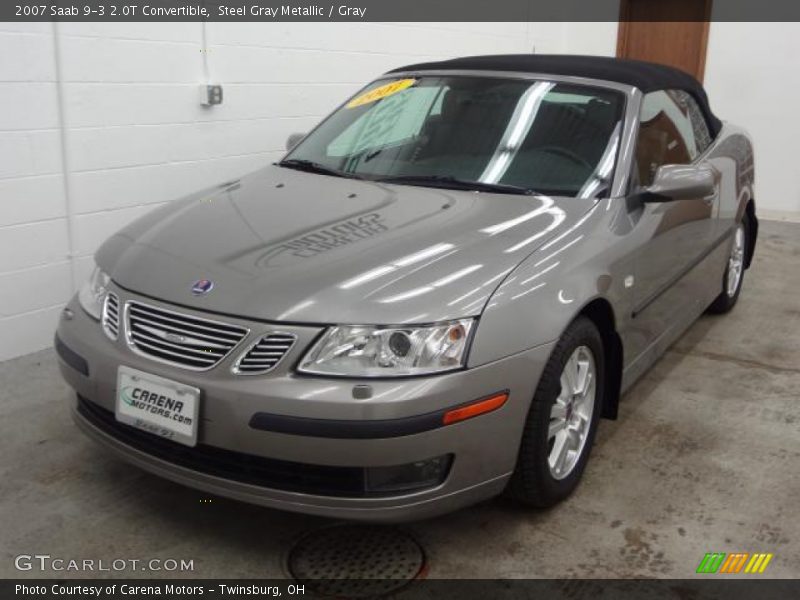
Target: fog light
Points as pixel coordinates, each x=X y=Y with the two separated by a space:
x=411 y=476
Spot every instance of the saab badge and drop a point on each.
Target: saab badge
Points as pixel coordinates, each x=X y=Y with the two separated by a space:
x=202 y=286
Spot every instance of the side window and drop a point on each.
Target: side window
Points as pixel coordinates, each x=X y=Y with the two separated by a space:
x=702 y=135
x=666 y=134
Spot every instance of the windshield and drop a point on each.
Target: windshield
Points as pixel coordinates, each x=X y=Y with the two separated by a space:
x=543 y=136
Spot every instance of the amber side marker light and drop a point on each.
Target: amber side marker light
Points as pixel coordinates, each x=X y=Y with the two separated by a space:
x=476 y=408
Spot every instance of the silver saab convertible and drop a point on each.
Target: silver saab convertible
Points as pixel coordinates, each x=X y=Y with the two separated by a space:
x=430 y=300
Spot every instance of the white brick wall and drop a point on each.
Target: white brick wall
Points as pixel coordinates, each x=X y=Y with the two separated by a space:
x=135 y=134
x=35 y=275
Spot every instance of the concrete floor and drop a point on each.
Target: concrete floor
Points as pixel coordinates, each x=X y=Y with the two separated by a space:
x=705 y=457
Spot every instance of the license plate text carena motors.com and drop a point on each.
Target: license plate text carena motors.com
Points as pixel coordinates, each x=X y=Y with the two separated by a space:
x=157 y=405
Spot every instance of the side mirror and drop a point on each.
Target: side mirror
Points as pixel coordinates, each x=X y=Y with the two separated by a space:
x=680 y=182
x=293 y=140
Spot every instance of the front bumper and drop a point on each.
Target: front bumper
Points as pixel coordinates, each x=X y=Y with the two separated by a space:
x=484 y=448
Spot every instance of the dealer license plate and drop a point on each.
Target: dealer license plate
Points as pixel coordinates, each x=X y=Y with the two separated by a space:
x=160 y=406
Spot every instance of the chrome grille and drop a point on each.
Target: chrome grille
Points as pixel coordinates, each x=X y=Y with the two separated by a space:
x=111 y=315
x=265 y=354
x=179 y=339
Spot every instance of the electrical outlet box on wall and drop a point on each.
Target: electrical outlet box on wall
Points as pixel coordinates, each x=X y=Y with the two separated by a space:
x=210 y=94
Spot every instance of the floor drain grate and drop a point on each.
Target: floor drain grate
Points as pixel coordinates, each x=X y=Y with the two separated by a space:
x=356 y=561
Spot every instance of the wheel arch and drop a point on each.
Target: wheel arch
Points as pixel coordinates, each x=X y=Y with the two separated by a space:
x=752 y=233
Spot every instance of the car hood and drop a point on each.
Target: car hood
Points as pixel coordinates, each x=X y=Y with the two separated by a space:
x=283 y=245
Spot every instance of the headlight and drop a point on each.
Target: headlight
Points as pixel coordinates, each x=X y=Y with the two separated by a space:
x=93 y=293
x=368 y=351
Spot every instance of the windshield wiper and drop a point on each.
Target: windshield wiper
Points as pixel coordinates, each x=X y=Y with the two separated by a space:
x=309 y=166
x=453 y=183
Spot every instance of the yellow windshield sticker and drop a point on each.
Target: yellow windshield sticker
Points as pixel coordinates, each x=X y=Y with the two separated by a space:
x=381 y=92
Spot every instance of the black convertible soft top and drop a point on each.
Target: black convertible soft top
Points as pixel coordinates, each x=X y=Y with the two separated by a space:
x=646 y=76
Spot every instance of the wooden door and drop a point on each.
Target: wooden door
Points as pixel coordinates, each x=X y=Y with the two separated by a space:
x=646 y=34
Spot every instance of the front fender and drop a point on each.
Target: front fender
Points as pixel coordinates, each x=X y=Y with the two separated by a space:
x=544 y=293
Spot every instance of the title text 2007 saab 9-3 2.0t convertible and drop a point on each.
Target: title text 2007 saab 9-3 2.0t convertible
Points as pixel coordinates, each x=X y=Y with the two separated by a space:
x=432 y=299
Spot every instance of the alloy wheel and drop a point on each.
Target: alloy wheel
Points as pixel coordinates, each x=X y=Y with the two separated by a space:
x=736 y=262
x=571 y=414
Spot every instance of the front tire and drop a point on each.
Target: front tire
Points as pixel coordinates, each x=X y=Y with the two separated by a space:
x=734 y=271
x=562 y=421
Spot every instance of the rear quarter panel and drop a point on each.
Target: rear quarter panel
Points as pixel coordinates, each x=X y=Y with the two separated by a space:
x=733 y=157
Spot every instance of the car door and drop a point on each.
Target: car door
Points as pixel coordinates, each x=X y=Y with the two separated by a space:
x=675 y=235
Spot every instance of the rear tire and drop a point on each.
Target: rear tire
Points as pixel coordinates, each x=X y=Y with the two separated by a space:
x=734 y=271
x=562 y=421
